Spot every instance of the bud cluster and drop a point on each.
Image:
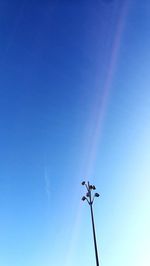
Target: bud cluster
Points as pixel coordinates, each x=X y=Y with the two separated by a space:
x=88 y=196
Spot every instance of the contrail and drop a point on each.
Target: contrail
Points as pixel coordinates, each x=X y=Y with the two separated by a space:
x=100 y=109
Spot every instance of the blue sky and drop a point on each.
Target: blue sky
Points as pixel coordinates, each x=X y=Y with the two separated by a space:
x=74 y=105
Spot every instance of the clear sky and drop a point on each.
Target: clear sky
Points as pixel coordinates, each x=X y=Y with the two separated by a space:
x=74 y=105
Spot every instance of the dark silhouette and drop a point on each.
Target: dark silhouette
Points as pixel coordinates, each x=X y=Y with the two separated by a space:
x=90 y=200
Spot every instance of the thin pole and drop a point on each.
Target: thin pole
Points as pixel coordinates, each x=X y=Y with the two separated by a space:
x=90 y=199
x=93 y=227
x=94 y=236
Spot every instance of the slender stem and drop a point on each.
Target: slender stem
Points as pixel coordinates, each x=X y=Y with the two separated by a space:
x=93 y=226
x=94 y=236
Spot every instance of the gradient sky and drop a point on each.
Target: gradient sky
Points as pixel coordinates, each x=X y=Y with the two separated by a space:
x=74 y=105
